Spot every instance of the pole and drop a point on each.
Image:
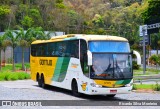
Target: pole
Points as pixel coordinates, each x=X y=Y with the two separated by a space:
x=144 y=52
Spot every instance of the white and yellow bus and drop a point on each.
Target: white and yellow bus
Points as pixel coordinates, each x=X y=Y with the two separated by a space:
x=88 y=64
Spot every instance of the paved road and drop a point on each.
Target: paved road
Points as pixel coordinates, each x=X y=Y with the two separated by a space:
x=28 y=90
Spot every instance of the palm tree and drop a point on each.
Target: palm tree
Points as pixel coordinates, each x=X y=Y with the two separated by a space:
x=5 y=44
x=13 y=42
x=2 y=39
x=26 y=38
x=40 y=34
x=23 y=41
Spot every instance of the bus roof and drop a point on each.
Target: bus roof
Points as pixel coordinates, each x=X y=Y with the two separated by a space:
x=81 y=36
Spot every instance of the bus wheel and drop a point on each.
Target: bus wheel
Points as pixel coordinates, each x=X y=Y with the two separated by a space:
x=39 y=81
x=43 y=82
x=75 y=89
x=111 y=95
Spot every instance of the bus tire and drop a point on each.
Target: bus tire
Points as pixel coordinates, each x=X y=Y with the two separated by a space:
x=43 y=82
x=113 y=95
x=39 y=81
x=75 y=89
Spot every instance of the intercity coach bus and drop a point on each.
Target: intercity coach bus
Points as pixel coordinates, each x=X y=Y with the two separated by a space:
x=88 y=64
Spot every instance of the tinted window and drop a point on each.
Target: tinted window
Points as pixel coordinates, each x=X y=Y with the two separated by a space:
x=57 y=49
x=83 y=57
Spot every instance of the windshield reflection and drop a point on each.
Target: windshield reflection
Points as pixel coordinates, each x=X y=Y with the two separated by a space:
x=111 y=66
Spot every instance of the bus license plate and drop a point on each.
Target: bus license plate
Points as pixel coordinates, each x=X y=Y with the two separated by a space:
x=113 y=91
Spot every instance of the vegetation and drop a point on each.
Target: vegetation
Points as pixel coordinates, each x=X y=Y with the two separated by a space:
x=135 y=66
x=6 y=74
x=143 y=86
x=113 y=17
x=149 y=71
x=21 y=38
x=155 y=87
x=155 y=59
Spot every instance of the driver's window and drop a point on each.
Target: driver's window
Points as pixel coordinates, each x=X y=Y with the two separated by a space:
x=83 y=57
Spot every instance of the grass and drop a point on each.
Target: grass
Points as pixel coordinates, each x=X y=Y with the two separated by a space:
x=143 y=86
x=148 y=72
x=14 y=76
x=155 y=87
x=6 y=74
x=18 y=66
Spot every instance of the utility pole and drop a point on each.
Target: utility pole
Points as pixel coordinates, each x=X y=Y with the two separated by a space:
x=144 y=50
x=143 y=32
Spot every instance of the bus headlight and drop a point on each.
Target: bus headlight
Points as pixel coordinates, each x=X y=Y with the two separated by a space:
x=95 y=85
x=130 y=84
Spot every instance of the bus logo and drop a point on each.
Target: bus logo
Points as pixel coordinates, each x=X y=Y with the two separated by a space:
x=45 y=62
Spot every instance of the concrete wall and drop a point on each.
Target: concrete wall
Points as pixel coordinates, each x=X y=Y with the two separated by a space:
x=17 y=53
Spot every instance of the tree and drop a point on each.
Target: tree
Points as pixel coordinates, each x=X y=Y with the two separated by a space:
x=5 y=43
x=151 y=14
x=28 y=36
x=155 y=44
x=4 y=11
x=39 y=34
x=27 y=22
x=23 y=41
x=13 y=42
x=2 y=39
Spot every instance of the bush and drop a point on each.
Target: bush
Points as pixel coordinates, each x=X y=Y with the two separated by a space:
x=153 y=59
x=134 y=87
x=2 y=76
x=14 y=76
x=156 y=87
x=6 y=75
x=21 y=76
x=27 y=76
x=135 y=65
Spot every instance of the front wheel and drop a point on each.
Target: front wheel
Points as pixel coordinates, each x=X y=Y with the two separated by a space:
x=75 y=89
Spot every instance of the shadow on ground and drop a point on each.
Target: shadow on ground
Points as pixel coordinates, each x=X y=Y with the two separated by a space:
x=83 y=96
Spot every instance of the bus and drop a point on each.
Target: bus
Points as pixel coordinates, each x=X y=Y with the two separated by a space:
x=84 y=64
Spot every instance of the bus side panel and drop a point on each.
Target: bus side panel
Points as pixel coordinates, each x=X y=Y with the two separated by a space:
x=48 y=70
x=33 y=67
x=43 y=65
x=65 y=72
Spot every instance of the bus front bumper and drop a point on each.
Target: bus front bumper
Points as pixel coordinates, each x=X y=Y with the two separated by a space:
x=109 y=91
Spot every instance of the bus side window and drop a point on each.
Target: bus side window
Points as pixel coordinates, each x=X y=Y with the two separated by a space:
x=67 y=50
x=33 y=50
x=51 y=49
x=74 y=49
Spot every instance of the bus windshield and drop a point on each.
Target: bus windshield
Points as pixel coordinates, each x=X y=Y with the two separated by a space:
x=111 y=60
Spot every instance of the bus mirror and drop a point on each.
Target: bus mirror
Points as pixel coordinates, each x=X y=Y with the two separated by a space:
x=138 y=56
x=89 y=58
